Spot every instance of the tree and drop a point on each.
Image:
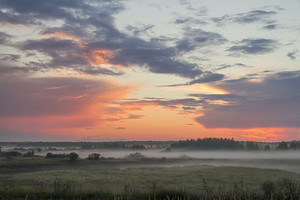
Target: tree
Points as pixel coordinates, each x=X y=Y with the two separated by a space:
x=267 y=147
x=295 y=146
x=94 y=156
x=73 y=156
x=282 y=146
x=251 y=146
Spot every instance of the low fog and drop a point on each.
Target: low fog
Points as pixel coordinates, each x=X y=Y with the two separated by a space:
x=282 y=160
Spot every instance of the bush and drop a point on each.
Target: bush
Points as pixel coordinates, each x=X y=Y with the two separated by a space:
x=94 y=156
x=73 y=156
x=136 y=155
x=60 y=155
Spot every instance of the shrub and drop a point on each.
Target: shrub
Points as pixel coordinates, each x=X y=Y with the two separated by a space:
x=94 y=156
x=73 y=156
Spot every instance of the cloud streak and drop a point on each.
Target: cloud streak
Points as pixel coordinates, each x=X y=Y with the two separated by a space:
x=253 y=16
x=253 y=46
x=274 y=102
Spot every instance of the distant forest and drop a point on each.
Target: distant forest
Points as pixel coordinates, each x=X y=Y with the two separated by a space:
x=189 y=144
x=231 y=144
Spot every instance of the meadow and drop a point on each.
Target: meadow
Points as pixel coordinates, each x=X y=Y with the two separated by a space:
x=37 y=177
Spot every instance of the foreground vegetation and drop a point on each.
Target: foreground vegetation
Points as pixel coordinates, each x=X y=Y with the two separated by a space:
x=60 y=178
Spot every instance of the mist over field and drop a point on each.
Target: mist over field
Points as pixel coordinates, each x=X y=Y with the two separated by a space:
x=199 y=167
x=288 y=160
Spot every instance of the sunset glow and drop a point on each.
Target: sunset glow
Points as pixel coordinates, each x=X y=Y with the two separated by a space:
x=131 y=70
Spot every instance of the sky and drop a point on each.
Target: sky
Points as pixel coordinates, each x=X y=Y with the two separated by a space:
x=94 y=70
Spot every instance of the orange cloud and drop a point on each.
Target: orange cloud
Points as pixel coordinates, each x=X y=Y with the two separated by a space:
x=200 y=87
x=51 y=106
x=98 y=57
x=65 y=36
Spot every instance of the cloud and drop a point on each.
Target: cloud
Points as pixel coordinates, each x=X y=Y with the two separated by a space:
x=292 y=55
x=137 y=31
x=253 y=46
x=132 y=116
x=197 y=38
x=4 y=38
x=185 y=106
x=55 y=104
x=270 y=27
x=190 y=20
x=209 y=77
x=10 y=57
x=225 y=66
x=72 y=40
x=50 y=96
x=206 y=77
x=273 y=102
x=253 y=16
x=155 y=57
x=120 y=128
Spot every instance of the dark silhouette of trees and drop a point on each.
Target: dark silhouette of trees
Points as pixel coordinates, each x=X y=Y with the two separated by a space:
x=208 y=144
x=295 y=146
x=94 y=156
x=282 y=146
x=251 y=146
x=73 y=156
x=267 y=147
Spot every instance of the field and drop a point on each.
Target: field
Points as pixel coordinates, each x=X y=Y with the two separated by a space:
x=145 y=178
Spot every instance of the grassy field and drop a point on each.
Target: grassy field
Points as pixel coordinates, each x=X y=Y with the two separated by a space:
x=41 y=178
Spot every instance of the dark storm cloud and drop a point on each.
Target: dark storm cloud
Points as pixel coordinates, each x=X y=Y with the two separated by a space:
x=245 y=18
x=253 y=46
x=197 y=38
x=273 y=102
x=292 y=55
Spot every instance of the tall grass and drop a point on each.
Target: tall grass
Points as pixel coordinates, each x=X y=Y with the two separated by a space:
x=285 y=189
